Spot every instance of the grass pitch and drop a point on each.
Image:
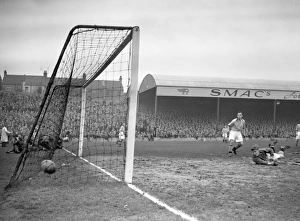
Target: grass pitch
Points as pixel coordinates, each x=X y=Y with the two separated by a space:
x=196 y=177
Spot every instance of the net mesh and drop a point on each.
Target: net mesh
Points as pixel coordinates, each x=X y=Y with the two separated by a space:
x=83 y=109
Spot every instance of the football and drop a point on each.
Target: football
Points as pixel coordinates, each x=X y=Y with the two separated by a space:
x=48 y=166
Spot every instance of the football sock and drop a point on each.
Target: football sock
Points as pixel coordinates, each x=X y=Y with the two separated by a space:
x=238 y=146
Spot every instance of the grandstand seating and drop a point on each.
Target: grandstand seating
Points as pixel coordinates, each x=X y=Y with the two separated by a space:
x=174 y=117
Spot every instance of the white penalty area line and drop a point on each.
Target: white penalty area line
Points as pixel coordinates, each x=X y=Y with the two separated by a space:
x=135 y=188
x=160 y=203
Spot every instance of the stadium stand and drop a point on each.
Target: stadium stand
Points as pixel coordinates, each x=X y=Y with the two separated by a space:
x=171 y=116
x=191 y=106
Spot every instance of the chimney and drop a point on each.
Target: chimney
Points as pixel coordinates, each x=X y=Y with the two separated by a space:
x=5 y=73
x=45 y=73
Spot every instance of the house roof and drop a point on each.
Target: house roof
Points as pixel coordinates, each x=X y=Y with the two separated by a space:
x=13 y=79
x=29 y=80
x=36 y=81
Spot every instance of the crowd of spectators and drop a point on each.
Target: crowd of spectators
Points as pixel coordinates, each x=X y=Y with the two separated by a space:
x=189 y=119
x=18 y=110
x=201 y=121
x=103 y=119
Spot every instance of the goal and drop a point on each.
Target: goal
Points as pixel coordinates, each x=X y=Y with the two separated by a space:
x=90 y=100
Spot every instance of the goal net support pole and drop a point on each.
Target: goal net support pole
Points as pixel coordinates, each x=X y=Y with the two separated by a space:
x=82 y=120
x=133 y=93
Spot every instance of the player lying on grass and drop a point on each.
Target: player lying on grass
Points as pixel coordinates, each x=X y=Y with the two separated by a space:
x=266 y=156
x=273 y=143
x=18 y=144
x=46 y=142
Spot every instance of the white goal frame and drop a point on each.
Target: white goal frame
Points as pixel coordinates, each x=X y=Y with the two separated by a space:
x=133 y=98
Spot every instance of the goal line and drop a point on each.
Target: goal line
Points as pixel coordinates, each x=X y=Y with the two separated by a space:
x=141 y=192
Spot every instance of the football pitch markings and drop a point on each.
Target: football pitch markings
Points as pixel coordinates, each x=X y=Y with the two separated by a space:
x=160 y=203
x=193 y=149
x=144 y=194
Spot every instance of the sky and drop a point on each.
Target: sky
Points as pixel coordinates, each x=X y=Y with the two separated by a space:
x=251 y=39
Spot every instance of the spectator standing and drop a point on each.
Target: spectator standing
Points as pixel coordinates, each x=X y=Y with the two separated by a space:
x=225 y=131
x=121 y=135
x=297 y=134
x=4 y=136
x=237 y=127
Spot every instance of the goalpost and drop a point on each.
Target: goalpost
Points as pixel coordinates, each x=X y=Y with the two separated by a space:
x=91 y=94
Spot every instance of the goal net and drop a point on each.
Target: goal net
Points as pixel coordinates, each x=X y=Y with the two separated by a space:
x=86 y=120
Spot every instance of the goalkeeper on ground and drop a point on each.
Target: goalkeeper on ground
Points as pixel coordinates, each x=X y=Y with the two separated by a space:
x=47 y=142
x=266 y=156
